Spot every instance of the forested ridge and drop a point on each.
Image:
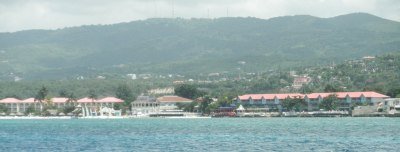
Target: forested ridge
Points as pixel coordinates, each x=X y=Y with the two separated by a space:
x=193 y=46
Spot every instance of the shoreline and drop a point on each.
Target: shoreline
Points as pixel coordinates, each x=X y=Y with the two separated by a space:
x=32 y=117
x=127 y=117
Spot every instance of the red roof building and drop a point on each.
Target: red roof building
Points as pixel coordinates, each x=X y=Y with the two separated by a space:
x=312 y=99
x=29 y=100
x=170 y=102
x=19 y=106
x=110 y=100
x=10 y=100
x=86 y=100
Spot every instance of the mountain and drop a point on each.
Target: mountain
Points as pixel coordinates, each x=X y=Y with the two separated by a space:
x=193 y=46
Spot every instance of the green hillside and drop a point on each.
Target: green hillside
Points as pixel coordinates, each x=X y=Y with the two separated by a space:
x=192 y=46
x=380 y=74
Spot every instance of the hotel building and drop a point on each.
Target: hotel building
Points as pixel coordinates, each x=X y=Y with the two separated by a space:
x=148 y=105
x=273 y=101
x=17 y=106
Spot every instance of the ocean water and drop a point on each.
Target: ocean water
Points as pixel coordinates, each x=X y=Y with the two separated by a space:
x=219 y=134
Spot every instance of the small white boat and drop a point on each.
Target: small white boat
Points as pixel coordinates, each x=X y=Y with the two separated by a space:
x=397 y=107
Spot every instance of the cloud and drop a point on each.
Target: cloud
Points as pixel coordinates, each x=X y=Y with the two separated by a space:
x=46 y=14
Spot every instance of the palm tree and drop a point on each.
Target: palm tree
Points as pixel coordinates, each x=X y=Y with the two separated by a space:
x=41 y=96
x=92 y=94
x=71 y=98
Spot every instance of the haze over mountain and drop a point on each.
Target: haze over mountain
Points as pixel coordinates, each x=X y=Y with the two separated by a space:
x=192 y=46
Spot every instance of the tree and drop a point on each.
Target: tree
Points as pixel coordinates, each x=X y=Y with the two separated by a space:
x=30 y=110
x=49 y=102
x=394 y=92
x=288 y=104
x=118 y=106
x=212 y=106
x=3 y=108
x=190 y=107
x=261 y=86
x=300 y=105
x=306 y=89
x=68 y=109
x=187 y=106
x=180 y=105
x=63 y=93
x=124 y=92
x=331 y=88
x=71 y=97
x=293 y=103
x=92 y=94
x=330 y=102
x=42 y=94
x=188 y=91
x=204 y=105
x=225 y=101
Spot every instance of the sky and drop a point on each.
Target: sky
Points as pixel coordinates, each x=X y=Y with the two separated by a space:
x=16 y=15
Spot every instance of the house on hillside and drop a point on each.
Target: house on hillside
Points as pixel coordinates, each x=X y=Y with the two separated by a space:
x=299 y=81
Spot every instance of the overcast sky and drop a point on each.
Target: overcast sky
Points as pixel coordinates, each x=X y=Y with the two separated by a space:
x=18 y=15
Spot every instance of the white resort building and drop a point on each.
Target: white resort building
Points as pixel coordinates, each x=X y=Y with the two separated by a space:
x=18 y=107
x=145 y=105
x=171 y=102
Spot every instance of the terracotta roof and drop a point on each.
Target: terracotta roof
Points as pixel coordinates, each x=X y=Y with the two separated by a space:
x=85 y=100
x=10 y=100
x=59 y=100
x=29 y=100
x=257 y=96
x=110 y=99
x=64 y=100
x=316 y=95
x=269 y=96
x=291 y=95
x=173 y=99
x=369 y=94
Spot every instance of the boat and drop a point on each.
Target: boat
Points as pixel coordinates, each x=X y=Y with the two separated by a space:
x=397 y=107
x=289 y=114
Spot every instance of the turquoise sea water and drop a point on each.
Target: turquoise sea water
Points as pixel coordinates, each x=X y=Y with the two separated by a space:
x=220 y=134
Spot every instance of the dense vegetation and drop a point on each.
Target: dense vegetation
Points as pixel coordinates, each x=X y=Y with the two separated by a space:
x=176 y=46
x=380 y=74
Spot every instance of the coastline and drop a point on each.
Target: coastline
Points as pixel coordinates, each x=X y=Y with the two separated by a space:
x=200 y=117
x=91 y=117
x=31 y=117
